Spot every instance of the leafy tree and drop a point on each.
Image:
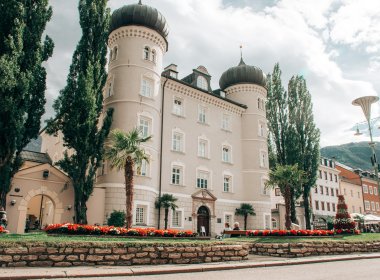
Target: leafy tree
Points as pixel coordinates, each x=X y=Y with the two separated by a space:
x=22 y=80
x=286 y=177
x=244 y=210
x=124 y=151
x=79 y=105
x=305 y=137
x=166 y=201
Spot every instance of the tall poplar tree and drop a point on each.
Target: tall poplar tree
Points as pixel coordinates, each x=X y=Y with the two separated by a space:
x=22 y=80
x=305 y=137
x=79 y=105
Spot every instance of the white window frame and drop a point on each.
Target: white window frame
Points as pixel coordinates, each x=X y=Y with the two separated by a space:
x=145 y=128
x=367 y=205
x=143 y=169
x=205 y=143
x=178 y=109
x=229 y=214
x=181 y=220
x=226 y=122
x=206 y=175
x=227 y=156
x=264 y=190
x=274 y=223
x=370 y=190
x=202 y=114
x=377 y=206
x=375 y=190
x=227 y=175
x=146 y=53
x=202 y=82
x=373 y=206
x=179 y=148
x=261 y=129
x=263 y=159
x=146 y=217
x=266 y=224
x=109 y=88
x=180 y=175
x=365 y=188
x=147 y=87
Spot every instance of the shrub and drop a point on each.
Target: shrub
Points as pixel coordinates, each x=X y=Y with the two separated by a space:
x=116 y=219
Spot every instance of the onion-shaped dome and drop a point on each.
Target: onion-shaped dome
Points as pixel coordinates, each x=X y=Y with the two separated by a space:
x=139 y=14
x=242 y=74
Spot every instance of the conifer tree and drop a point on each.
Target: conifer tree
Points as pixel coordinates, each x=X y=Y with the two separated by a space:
x=304 y=136
x=79 y=105
x=343 y=222
x=22 y=80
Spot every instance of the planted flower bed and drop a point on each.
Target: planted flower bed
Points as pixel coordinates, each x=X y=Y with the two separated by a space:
x=254 y=233
x=75 y=229
x=3 y=230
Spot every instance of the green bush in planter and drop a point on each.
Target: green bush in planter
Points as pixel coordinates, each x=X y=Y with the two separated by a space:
x=117 y=219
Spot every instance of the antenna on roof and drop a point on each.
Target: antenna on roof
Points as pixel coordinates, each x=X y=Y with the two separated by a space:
x=241 y=55
x=140 y=2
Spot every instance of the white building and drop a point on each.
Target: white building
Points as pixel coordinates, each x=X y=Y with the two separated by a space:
x=209 y=147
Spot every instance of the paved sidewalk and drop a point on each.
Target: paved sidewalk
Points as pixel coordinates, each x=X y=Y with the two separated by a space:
x=98 y=271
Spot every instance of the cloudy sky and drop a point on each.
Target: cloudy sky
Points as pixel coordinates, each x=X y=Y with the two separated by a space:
x=334 y=44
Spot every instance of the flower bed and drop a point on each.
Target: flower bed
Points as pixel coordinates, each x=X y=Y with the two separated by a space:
x=76 y=229
x=253 y=233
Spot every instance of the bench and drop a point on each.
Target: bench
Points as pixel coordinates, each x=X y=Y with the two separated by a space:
x=235 y=232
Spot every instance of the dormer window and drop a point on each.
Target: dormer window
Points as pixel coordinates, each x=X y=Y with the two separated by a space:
x=146 y=53
x=202 y=83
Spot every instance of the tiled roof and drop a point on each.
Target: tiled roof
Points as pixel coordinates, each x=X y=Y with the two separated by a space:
x=36 y=157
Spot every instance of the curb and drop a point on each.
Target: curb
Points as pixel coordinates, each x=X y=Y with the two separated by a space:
x=182 y=269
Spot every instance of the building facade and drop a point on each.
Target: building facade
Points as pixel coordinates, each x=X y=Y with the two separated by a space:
x=351 y=188
x=324 y=196
x=208 y=147
x=370 y=192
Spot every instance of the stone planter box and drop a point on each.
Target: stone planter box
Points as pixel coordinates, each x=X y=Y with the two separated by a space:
x=110 y=254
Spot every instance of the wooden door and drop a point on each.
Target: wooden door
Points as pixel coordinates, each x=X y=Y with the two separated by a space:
x=203 y=220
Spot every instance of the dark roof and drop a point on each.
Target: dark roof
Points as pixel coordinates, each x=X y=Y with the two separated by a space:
x=214 y=93
x=139 y=14
x=242 y=74
x=35 y=157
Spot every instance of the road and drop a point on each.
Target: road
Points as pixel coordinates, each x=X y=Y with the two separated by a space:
x=342 y=270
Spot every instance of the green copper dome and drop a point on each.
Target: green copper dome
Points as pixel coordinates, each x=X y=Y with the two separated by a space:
x=139 y=14
x=242 y=74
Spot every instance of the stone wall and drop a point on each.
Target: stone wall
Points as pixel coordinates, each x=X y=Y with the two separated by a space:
x=74 y=254
x=313 y=248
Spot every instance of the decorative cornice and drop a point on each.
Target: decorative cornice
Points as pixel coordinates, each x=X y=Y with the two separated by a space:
x=137 y=32
x=204 y=97
x=247 y=89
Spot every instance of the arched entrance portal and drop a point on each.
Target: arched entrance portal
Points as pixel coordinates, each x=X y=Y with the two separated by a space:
x=40 y=212
x=203 y=218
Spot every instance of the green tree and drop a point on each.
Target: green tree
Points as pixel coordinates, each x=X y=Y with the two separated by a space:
x=124 y=151
x=244 y=210
x=286 y=177
x=79 y=105
x=22 y=80
x=304 y=137
x=166 y=201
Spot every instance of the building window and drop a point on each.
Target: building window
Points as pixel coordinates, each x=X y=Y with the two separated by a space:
x=227 y=183
x=144 y=126
x=377 y=206
x=203 y=148
x=328 y=206
x=228 y=219
x=178 y=106
x=370 y=190
x=260 y=104
x=320 y=174
x=267 y=221
x=109 y=89
x=143 y=168
x=140 y=215
x=202 y=83
x=274 y=223
x=321 y=189
x=177 y=175
x=114 y=53
x=177 y=142
x=202 y=179
x=146 y=88
x=277 y=191
x=177 y=218
x=330 y=177
x=332 y=192
x=202 y=114
x=315 y=189
x=367 y=205
x=153 y=55
x=333 y=207
x=325 y=175
x=316 y=205
x=263 y=159
x=226 y=122
x=323 y=205
x=264 y=189
x=365 y=188
x=146 y=53
x=336 y=178
x=327 y=190
x=226 y=154
x=375 y=190
x=373 y=206
x=337 y=192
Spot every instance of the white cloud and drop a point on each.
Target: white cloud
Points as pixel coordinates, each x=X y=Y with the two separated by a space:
x=292 y=32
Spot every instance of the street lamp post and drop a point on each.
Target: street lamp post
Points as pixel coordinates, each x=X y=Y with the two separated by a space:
x=365 y=103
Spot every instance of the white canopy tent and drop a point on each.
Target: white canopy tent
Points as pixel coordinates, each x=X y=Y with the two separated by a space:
x=368 y=219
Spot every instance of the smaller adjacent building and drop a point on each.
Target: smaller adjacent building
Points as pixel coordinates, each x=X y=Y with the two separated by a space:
x=351 y=188
x=370 y=192
x=324 y=196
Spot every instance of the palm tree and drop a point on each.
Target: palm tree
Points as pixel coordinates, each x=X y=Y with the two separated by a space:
x=124 y=151
x=245 y=210
x=286 y=177
x=166 y=201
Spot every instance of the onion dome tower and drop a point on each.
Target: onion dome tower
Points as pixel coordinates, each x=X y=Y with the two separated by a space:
x=137 y=42
x=246 y=84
